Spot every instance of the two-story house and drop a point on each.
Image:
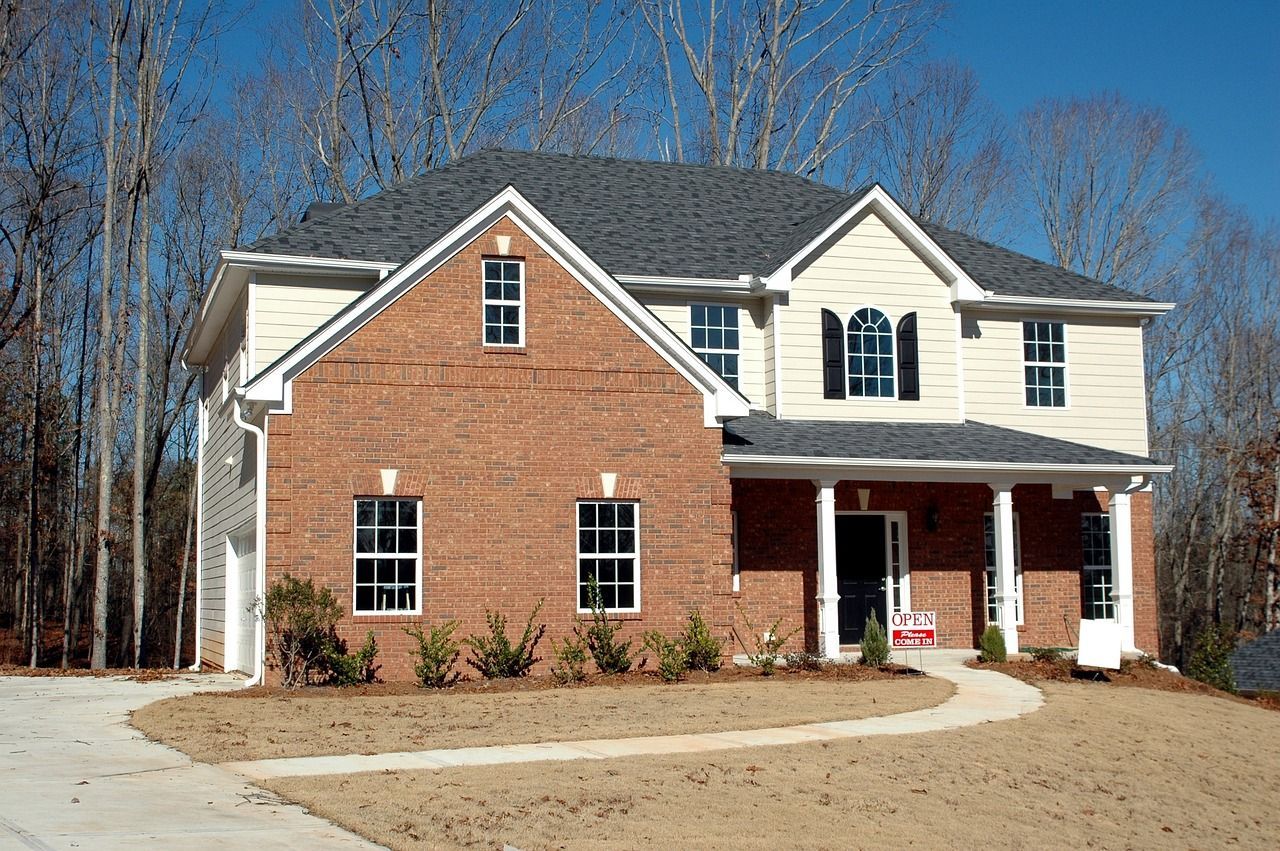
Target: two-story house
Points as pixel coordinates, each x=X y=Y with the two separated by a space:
x=730 y=390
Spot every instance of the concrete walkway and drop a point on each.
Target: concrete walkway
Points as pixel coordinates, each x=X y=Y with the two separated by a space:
x=980 y=697
x=74 y=774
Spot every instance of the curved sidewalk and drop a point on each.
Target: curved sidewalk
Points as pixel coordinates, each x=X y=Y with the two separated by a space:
x=980 y=696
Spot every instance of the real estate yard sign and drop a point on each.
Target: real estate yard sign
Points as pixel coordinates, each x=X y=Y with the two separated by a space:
x=913 y=630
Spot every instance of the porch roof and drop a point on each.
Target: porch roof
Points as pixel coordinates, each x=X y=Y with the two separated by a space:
x=980 y=450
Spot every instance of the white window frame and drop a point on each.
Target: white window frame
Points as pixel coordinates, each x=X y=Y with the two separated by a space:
x=357 y=556
x=723 y=350
x=1064 y=366
x=579 y=555
x=1087 y=569
x=737 y=565
x=989 y=581
x=487 y=302
x=893 y=356
x=902 y=582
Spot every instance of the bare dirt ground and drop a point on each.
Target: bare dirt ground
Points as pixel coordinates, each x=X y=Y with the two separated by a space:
x=142 y=675
x=1098 y=766
x=221 y=727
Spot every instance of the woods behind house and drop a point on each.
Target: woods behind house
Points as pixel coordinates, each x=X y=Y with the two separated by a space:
x=142 y=137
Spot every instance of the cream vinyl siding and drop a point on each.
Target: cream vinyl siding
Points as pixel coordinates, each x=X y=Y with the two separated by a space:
x=770 y=373
x=1106 y=398
x=290 y=307
x=753 y=315
x=227 y=493
x=868 y=266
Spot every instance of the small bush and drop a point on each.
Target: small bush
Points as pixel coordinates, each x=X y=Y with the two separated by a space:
x=1045 y=654
x=345 y=669
x=875 y=646
x=571 y=659
x=300 y=619
x=1210 y=661
x=673 y=659
x=703 y=649
x=991 y=645
x=611 y=656
x=437 y=655
x=767 y=646
x=805 y=661
x=495 y=657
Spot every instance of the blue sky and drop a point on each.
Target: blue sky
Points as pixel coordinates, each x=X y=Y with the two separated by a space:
x=1214 y=66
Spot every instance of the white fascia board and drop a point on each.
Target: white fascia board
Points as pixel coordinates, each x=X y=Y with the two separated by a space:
x=230 y=276
x=879 y=201
x=701 y=287
x=789 y=466
x=721 y=402
x=1070 y=305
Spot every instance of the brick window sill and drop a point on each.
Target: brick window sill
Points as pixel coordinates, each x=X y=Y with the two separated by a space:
x=375 y=620
x=504 y=350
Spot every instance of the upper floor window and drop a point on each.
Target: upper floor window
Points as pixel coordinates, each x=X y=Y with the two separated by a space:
x=388 y=554
x=714 y=333
x=870 y=354
x=1095 y=541
x=503 y=303
x=1044 y=355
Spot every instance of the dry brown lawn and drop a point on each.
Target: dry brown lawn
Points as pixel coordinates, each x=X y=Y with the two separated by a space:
x=221 y=727
x=1098 y=766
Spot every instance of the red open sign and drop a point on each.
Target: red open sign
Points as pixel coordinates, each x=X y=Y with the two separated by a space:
x=913 y=630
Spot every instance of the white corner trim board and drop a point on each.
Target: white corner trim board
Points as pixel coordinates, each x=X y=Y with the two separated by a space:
x=720 y=401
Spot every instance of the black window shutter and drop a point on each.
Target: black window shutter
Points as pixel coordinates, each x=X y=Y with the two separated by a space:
x=832 y=356
x=908 y=359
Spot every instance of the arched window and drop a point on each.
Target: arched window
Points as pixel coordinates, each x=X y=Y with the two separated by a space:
x=870 y=354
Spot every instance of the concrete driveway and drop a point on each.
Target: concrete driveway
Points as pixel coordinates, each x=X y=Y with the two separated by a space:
x=74 y=774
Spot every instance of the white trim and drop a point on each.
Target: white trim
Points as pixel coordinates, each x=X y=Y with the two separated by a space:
x=485 y=302
x=720 y=401
x=776 y=319
x=1006 y=593
x=1142 y=470
x=737 y=561
x=828 y=600
x=260 y=526
x=736 y=351
x=202 y=426
x=262 y=261
x=577 y=555
x=356 y=555
x=1065 y=365
x=959 y=362
x=251 y=328
x=694 y=287
x=995 y=301
x=901 y=518
x=1017 y=567
x=877 y=200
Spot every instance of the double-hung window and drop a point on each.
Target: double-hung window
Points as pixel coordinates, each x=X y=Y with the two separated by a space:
x=870 y=354
x=609 y=550
x=989 y=540
x=388 y=555
x=1095 y=540
x=1044 y=364
x=713 y=330
x=503 y=303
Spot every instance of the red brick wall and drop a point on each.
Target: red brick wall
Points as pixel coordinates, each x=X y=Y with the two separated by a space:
x=778 y=555
x=500 y=445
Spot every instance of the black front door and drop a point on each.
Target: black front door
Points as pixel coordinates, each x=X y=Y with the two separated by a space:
x=860 y=572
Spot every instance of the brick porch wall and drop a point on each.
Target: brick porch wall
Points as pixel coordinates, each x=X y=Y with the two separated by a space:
x=500 y=445
x=778 y=556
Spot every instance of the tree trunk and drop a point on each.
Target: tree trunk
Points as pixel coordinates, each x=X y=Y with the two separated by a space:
x=33 y=485
x=182 y=580
x=140 y=425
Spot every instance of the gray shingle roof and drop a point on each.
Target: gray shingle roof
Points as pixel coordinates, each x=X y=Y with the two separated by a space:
x=1257 y=664
x=762 y=435
x=638 y=217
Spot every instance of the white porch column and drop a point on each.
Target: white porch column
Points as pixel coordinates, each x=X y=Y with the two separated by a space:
x=1006 y=594
x=1122 y=564
x=828 y=596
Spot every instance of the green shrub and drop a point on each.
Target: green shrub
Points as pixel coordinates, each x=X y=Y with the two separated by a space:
x=673 y=659
x=495 y=657
x=704 y=650
x=1045 y=654
x=1211 y=659
x=300 y=620
x=991 y=645
x=437 y=655
x=875 y=646
x=767 y=646
x=345 y=669
x=805 y=661
x=611 y=656
x=571 y=659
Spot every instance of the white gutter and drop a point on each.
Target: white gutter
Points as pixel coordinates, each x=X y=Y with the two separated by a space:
x=894 y=463
x=1070 y=305
x=260 y=543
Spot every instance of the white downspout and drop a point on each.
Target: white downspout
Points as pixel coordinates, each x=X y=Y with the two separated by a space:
x=201 y=430
x=260 y=534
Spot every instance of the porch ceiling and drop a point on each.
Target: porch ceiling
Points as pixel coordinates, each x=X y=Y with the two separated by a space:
x=762 y=446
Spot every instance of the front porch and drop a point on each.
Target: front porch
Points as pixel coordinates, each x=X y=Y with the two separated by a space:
x=1033 y=547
